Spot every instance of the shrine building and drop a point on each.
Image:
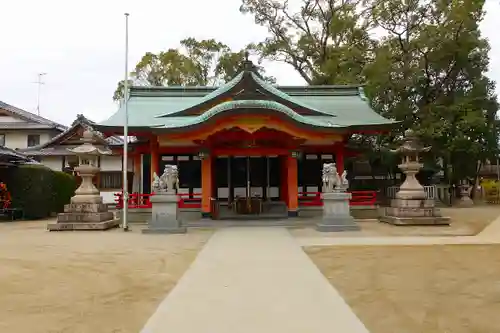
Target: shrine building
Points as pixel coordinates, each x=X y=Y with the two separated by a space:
x=246 y=147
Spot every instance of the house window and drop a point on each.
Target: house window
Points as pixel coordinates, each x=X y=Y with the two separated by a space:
x=2 y=139
x=113 y=180
x=110 y=180
x=33 y=140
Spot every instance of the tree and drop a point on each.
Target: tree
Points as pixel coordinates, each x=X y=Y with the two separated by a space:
x=196 y=63
x=429 y=72
x=427 y=69
x=326 y=42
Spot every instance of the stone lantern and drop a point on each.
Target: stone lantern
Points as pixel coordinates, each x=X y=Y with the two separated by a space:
x=410 y=166
x=411 y=207
x=88 y=156
x=86 y=210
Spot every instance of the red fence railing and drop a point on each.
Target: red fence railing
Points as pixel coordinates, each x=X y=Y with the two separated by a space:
x=137 y=200
x=310 y=199
x=186 y=200
x=363 y=198
x=359 y=198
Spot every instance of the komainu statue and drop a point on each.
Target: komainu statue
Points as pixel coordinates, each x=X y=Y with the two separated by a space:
x=156 y=184
x=331 y=178
x=170 y=178
x=344 y=182
x=167 y=182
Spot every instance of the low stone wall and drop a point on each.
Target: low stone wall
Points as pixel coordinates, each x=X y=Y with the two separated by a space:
x=358 y=212
x=310 y=212
x=190 y=214
x=143 y=215
x=194 y=214
x=366 y=212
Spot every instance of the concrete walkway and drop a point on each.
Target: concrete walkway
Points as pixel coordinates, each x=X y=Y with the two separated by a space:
x=395 y=240
x=490 y=235
x=492 y=231
x=253 y=280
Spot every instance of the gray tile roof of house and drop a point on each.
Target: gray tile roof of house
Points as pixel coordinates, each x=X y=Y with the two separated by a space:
x=23 y=126
x=48 y=148
x=112 y=140
x=11 y=155
x=31 y=117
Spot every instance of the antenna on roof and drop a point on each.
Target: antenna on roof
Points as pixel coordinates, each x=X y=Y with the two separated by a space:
x=39 y=82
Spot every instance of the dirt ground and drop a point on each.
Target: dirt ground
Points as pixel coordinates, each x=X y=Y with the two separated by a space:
x=79 y=282
x=431 y=289
x=464 y=222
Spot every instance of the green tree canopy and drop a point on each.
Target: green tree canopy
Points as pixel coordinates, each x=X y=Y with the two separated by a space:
x=195 y=63
x=326 y=42
x=423 y=63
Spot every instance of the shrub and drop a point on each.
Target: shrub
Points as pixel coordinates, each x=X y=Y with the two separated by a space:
x=31 y=187
x=38 y=190
x=63 y=188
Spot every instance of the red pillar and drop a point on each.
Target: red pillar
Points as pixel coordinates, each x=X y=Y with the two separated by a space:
x=206 y=186
x=155 y=157
x=284 y=179
x=292 y=183
x=339 y=158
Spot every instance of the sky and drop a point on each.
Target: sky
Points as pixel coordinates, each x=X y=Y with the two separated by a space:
x=80 y=45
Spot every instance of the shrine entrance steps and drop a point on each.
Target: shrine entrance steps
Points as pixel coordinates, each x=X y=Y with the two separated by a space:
x=287 y=222
x=270 y=210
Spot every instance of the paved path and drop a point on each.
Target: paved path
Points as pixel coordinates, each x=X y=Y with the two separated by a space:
x=253 y=280
x=395 y=240
x=492 y=231
x=490 y=235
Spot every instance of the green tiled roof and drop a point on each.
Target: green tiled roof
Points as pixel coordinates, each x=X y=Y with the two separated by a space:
x=270 y=88
x=340 y=107
x=349 y=110
x=246 y=75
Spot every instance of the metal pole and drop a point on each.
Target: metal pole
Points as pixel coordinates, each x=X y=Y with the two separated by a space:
x=39 y=83
x=125 y=134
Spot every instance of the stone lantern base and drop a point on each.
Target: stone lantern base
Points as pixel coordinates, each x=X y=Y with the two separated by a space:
x=84 y=216
x=414 y=212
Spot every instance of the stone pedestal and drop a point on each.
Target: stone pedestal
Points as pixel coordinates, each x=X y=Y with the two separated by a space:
x=84 y=216
x=414 y=212
x=164 y=215
x=336 y=213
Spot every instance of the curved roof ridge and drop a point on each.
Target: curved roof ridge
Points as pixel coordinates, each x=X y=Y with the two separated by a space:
x=253 y=104
x=217 y=92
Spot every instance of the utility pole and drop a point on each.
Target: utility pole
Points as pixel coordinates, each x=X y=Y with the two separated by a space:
x=39 y=82
x=125 y=134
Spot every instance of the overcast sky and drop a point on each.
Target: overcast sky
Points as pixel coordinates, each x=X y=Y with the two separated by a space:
x=80 y=45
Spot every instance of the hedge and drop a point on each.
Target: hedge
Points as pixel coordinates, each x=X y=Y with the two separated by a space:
x=64 y=186
x=38 y=190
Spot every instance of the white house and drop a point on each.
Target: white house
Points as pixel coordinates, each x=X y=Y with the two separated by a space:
x=21 y=129
x=48 y=143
